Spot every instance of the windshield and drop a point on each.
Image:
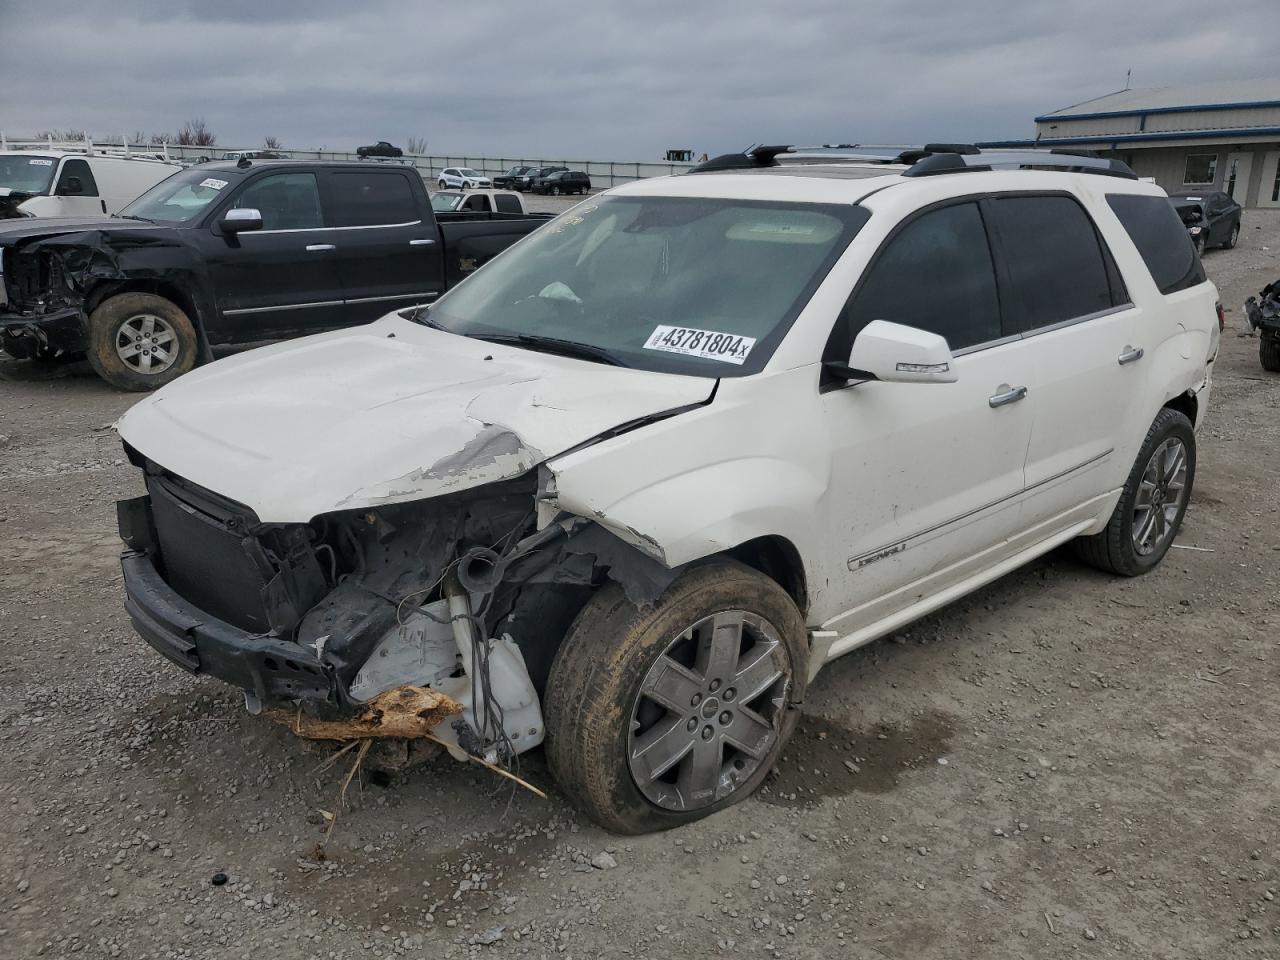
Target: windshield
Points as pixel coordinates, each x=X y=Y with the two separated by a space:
x=683 y=285
x=181 y=198
x=23 y=173
x=468 y=172
x=444 y=202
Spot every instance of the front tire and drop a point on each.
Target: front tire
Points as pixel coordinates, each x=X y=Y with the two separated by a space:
x=138 y=341
x=555 y=191
x=1232 y=238
x=1269 y=353
x=662 y=716
x=442 y=184
x=1151 y=506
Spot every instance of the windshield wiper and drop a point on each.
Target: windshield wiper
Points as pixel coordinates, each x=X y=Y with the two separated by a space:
x=130 y=216
x=564 y=348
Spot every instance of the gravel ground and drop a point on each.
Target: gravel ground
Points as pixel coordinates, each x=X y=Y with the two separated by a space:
x=1061 y=765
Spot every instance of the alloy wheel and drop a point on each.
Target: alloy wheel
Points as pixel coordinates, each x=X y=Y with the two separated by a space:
x=709 y=711
x=1160 y=498
x=147 y=343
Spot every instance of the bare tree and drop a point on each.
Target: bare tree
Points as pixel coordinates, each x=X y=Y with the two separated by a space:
x=195 y=134
x=416 y=146
x=138 y=137
x=64 y=135
x=161 y=138
x=272 y=143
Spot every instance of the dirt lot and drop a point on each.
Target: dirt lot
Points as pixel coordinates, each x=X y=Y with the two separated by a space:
x=1062 y=765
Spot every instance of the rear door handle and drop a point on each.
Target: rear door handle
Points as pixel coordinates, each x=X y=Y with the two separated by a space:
x=320 y=247
x=1007 y=395
x=1130 y=355
x=426 y=242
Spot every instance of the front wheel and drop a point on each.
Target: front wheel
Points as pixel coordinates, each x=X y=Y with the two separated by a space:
x=1151 y=506
x=138 y=341
x=1198 y=243
x=1233 y=238
x=661 y=716
x=555 y=191
x=442 y=184
x=1269 y=353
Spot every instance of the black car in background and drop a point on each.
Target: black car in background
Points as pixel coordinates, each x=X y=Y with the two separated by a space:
x=562 y=181
x=1212 y=218
x=507 y=181
x=526 y=180
x=379 y=149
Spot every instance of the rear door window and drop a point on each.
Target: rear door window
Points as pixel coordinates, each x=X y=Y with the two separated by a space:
x=372 y=198
x=508 y=204
x=935 y=274
x=1055 y=262
x=1161 y=238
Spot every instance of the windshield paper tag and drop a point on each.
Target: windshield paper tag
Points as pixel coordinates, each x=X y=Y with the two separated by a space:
x=37 y=162
x=214 y=184
x=707 y=344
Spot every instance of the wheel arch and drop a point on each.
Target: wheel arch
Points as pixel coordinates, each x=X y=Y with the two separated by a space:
x=779 y=560
x=1186 y=403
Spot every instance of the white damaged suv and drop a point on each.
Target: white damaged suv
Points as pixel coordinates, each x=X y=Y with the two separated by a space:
x=629 y=487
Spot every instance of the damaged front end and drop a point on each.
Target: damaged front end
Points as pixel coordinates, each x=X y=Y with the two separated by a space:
x=41 y=306
x=465 y=594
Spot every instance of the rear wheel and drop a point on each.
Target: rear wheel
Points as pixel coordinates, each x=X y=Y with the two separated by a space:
x=1198 y=243
x=1269 y=353
x=661 y=716
x=1232 y=238
x=1151 y=506
x=555 y=191
x=138 y=341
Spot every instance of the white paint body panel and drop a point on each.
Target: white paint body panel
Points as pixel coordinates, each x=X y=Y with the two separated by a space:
x=968 y=490
x=120 y=181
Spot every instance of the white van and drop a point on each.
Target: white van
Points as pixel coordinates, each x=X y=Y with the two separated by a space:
x=68 y=183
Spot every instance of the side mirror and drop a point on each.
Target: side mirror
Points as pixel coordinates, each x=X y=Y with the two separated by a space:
x=899 y=354
x=240 y=220
x=71 y=187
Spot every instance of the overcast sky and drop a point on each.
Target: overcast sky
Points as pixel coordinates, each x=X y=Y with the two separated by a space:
x=555 y=78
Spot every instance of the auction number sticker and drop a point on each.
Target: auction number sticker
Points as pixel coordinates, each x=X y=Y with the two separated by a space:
x=38 y=162
x=707 y=344
x=213 y=184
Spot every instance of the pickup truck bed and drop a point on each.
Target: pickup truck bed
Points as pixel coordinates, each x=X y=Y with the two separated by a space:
x=332 y=245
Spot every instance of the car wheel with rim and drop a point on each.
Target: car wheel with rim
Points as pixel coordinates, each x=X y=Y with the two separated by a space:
x=555 y=191
x=442 y=184
x=1198 y=243
x=1151 y=506
x=1233 y=238
x=660 y=716
x=138 y=341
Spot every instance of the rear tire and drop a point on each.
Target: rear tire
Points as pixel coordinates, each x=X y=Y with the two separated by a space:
x=138 y=341
x=1232 y=238
x=1198 y=243
x=1118 y=548
x=1269 y=353
x=555 y=191
x=624 y=680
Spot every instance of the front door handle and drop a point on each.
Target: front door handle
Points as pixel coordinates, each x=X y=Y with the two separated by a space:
x=1007 y=395
x=425 y=242
x=320 y=247
x=1130 y=355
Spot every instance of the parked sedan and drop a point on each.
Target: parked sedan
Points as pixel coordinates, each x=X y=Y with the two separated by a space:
x=463 y=177
x=563 y=181
x=531 y=176
x=1212 y=219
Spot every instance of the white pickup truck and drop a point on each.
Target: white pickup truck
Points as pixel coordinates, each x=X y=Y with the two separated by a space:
x=477 y=201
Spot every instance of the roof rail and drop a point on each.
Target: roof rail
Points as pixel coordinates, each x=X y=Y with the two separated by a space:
x=930 y=160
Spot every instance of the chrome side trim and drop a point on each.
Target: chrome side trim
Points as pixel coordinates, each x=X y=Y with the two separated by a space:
x=416 y=297
x=371 y=226
x=1028 y=334
x=286 y=306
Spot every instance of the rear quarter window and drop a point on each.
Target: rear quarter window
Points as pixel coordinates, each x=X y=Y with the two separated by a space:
x=1161 y=238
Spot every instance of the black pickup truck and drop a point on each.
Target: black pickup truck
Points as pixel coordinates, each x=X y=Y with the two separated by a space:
x=232 y=253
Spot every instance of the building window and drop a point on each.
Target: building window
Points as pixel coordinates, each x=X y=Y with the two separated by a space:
x=1202 y=169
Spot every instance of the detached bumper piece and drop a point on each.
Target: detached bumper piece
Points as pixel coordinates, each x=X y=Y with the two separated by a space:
x=273 y=669
x=249 y=656
x=28 y=335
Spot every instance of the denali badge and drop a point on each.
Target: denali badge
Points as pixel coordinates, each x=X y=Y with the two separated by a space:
x=857 y=563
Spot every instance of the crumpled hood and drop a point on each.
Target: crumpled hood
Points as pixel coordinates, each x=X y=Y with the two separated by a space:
x=384 y=413
x=27 y=228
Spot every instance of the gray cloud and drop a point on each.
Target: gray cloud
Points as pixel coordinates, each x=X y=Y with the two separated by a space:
x=603 y=80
